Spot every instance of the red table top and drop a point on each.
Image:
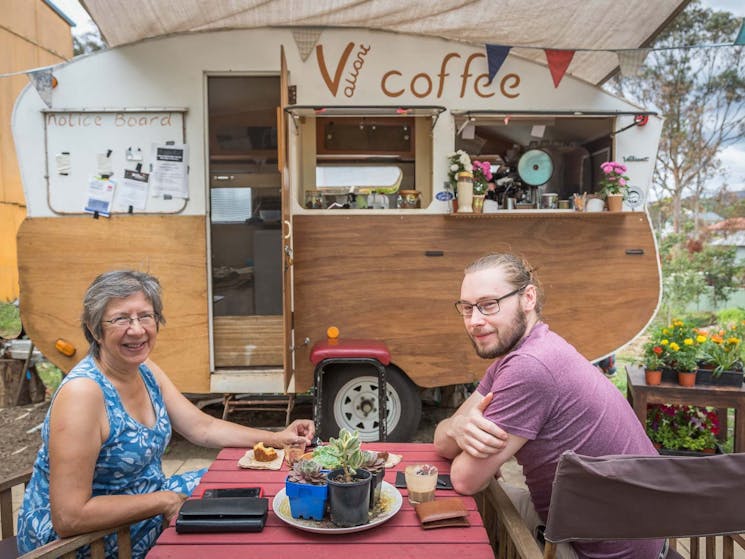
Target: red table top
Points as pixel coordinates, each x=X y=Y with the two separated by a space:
x=400 y=536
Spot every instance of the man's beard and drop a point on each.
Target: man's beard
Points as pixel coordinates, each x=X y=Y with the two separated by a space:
x=507 y=339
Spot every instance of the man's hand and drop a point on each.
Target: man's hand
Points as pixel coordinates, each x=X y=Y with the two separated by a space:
x=475 y=434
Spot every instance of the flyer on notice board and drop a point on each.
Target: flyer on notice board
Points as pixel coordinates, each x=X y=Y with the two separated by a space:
x=169 y=175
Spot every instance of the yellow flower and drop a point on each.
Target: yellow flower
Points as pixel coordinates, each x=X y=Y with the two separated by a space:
x=674 y=346
x=664 y=342
x=688 y=341
x=700 y=338
x=677 y=323
x=733 y=341
x=666 y=331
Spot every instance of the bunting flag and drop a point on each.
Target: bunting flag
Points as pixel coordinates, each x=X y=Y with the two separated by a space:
x=495 y=56
x=43 y=81
x=631 y=61
x=305 y=39
x=558 y=62
x=741 y=35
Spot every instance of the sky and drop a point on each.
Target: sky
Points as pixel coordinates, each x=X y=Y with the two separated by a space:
x=732 y=157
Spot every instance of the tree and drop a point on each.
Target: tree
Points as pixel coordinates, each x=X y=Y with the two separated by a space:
x=87 y=42
x=700 y=92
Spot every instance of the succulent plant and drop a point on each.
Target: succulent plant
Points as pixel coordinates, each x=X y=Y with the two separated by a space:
x=374 y=461
x=347 y=449
x=307 y=471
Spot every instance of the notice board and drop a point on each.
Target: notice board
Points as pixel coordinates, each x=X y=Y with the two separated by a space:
x=82 y=144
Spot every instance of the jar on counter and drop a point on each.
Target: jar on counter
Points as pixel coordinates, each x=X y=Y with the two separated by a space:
x=410 y=199
x=313 y=200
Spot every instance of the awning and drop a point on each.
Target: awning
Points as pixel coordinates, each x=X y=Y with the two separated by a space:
x=570 y=24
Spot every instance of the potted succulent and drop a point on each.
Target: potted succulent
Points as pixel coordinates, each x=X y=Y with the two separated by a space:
x=614 y=184
x=349 y=484
x=307 y=490
x=374 y=462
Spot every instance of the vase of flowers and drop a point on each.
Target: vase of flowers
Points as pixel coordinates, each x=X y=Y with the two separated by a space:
x=614 y=184
x=481 y=176
x=460 y=174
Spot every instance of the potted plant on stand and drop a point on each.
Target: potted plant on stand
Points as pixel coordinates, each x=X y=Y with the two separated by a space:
x=681 y=350
x=683 y=430
x=653 y=362
x=349 y=484
x=721 y=362
x=614 y=184
x=307 y=490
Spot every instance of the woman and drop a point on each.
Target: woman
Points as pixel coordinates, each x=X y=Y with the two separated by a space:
x=109 y=423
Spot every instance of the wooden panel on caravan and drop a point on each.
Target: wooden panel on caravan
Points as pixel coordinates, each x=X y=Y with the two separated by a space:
x=248 y=341
x=59 y=257
x=395 y=278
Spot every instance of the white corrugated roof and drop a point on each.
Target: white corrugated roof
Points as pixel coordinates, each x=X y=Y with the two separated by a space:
x=569 y=24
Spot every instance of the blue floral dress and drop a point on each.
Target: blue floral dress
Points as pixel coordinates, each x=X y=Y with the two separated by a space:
x=129 y=463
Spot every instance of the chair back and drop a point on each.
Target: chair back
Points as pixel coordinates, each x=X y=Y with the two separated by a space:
x=614 y=497
x=8 y=549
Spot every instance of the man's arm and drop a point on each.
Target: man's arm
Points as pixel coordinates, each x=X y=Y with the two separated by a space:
x=468 y=430
x=470 y=475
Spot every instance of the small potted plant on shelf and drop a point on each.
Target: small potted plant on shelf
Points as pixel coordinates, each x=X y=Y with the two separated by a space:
x=681 y=349
x=683 y=430
x=614 y=184
x=653 y=362
x=349 y=484
x=374 y=462
x=307 y=490
x=721 y=357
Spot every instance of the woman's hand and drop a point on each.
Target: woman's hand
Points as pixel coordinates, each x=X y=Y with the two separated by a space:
x=300 y=431
x=172 y=504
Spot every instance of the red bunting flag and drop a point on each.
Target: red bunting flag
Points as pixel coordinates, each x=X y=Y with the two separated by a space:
x=558 y=62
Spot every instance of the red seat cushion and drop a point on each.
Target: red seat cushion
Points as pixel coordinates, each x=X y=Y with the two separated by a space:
x=350 y=349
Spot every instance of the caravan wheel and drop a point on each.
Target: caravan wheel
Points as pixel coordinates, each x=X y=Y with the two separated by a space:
x=351 y=401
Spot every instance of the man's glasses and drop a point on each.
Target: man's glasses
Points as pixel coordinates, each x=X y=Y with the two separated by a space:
x=486 y=307
x=146 y=320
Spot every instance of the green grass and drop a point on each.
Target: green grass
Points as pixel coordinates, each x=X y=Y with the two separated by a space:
x=50 y=375
x=10 y=321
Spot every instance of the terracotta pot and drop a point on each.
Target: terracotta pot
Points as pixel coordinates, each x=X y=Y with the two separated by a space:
x=687 y=378
x=615 y=202
x=653 y=378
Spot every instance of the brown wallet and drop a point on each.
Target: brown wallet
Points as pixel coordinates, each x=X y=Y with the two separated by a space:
x=441 y=513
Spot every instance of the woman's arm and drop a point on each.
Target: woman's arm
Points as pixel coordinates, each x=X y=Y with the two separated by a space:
x=203 y=429
x=78 y=427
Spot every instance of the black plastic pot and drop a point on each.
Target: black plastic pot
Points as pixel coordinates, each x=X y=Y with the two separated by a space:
x=349 y=502
x=376 y=483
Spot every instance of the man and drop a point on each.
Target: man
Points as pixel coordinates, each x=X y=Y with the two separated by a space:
x=539 y=398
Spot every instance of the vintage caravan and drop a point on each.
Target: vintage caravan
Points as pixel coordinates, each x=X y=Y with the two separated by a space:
x=270 y=190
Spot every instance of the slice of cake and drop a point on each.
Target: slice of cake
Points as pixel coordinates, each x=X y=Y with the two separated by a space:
x=264 y=453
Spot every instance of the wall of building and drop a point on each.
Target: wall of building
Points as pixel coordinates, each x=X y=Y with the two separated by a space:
x=32 y=34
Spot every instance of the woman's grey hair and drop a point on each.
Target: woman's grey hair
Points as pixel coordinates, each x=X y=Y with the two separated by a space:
x=118 y=284
x=517 y=271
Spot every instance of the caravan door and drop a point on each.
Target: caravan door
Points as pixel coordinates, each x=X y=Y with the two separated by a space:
x=245 y=232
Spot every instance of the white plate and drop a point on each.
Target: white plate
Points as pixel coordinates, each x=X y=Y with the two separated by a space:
x=390 y=498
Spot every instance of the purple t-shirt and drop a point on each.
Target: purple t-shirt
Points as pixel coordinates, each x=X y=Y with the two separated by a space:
x=547 y=392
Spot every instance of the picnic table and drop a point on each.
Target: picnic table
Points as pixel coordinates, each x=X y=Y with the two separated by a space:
x=399 y=536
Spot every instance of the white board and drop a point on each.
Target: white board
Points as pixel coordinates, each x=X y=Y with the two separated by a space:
x=81 y=143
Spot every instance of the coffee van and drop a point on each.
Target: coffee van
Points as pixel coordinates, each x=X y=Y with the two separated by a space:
x=264 y=187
